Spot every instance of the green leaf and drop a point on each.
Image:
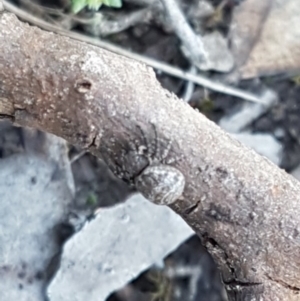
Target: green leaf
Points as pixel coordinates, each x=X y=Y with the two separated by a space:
x=78 y=5
x=115 y=3
x=94 y=4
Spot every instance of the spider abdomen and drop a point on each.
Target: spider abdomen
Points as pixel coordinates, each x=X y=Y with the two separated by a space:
x=160 y=184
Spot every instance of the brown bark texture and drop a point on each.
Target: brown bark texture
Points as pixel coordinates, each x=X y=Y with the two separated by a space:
x=243 y=207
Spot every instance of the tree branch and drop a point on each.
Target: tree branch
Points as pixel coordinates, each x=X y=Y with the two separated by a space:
x=244 y=208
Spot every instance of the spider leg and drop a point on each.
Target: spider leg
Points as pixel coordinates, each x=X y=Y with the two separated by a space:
x=146 y=148
x=155 y=150
x=143 y=135
x=166 y=150
x=159 y=150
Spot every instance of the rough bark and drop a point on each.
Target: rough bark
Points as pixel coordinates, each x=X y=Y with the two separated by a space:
x=244 y=208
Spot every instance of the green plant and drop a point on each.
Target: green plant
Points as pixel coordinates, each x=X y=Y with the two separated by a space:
x=296 y=80
x=163 y=286
x=78 y=5
x=91 y=199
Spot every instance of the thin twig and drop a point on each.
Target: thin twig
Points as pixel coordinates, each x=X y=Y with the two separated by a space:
x=190 y=86
x=193 y=46
x=168 y=69
x=77 y=156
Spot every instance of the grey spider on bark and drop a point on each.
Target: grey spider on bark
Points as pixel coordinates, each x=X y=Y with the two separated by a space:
x=145 y=160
